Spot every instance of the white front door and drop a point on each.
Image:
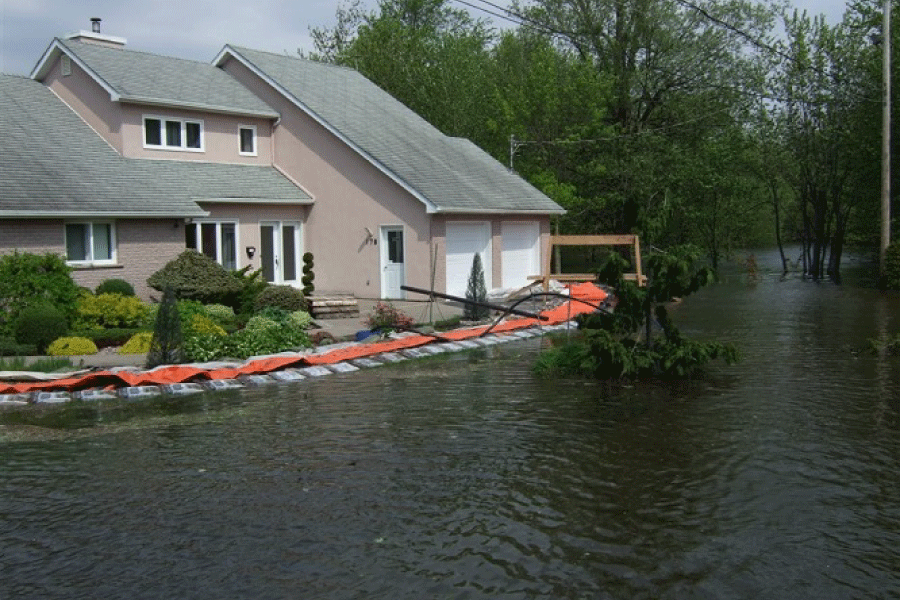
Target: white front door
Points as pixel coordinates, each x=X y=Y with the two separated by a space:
x=280 y=251
x=393 y=267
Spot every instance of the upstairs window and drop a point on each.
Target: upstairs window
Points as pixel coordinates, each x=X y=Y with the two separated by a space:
x=90 y=243
x=173 y=134
x=247 y=140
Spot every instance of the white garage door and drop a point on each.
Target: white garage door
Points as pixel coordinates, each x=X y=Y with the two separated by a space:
x=463 y=241
x=521 y=252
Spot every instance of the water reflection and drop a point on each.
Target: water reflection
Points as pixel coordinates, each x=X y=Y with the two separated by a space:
x=464 y=477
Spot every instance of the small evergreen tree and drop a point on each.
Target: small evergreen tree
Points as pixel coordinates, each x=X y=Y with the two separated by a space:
x=476 y=291
x=166 y=346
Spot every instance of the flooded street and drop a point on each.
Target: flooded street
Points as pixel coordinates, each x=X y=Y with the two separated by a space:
x=463 y=476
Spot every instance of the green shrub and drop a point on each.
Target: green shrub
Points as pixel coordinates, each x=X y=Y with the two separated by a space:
x=71 y=346
x=280 y=296
x=39 y=324
x=221 y=314
x=891 y=276
x=251 y=284
x=115 y=286
x=110 y=311
x=195 y=276
x=261 y=322
x=139 y=343
x=10 y=347
x=201 y=325
x=41 y=365
x=104 y=338
x=300 y=319
x=29 y=279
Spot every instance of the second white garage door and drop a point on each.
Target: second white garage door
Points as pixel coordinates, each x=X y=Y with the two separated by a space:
x=521 y=252
x=464 y=239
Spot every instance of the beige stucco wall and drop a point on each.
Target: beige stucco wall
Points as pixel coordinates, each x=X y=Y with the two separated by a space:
x=143 y=247
x=87 y=98
x=220 y=136
x=350 y=195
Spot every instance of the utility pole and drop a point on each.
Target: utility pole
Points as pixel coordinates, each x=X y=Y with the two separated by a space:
x=886 y=141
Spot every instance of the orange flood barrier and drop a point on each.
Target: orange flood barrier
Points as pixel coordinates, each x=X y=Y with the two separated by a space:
x=184 y=373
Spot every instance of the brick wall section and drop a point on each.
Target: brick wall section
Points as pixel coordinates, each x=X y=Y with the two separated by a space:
x=144 y=246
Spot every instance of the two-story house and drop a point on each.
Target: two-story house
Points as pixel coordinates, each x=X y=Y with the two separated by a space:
x=253 y=160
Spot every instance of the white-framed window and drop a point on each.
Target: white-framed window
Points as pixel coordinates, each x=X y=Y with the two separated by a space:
x=247 y=140
x=167 y=133
x=91 y=243
x=216 y=239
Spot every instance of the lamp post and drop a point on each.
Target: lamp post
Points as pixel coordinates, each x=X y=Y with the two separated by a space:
x=886 y=141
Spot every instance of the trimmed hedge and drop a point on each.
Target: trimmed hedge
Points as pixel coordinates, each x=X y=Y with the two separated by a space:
x=138 y=344
x=195 y=276
x=280 y=296
x=71 y=346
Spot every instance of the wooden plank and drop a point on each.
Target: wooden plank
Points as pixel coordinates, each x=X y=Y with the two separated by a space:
x=592 y=240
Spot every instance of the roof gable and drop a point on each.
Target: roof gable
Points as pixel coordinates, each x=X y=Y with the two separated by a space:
x=144 y=78
x=446 y=174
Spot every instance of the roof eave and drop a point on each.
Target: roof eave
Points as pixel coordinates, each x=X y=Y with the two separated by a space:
x=500 y=211
x=297 y=201
x=198 y=106
x=115 y=214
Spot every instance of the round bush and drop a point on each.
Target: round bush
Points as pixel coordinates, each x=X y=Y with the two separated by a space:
x=72 y=346
x=110 y=311
x=138 y=344
x=115 y=286
x=39 y=324
x=195 y=276
x=281 y=296
x=221 y=314
x=300 y=319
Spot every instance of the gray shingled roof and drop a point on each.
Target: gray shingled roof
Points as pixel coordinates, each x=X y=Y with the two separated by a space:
x=153 y=79
x=452 y=174
x=53 y=165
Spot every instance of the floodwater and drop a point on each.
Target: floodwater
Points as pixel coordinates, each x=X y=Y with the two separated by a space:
x=466 y=477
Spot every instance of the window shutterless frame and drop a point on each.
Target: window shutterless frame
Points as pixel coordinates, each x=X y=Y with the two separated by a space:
x=247 y=140
x=90 y=243
x=171 y=133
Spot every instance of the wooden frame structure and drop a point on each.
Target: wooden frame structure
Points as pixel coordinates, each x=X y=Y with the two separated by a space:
x=588 y=240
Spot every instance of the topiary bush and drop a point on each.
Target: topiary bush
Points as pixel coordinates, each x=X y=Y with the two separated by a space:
x=115 y=286
x=308 y=275
x=39 y=324
x=138 y=344
x=110 y=311
x=71 y=346
x=195 y=276
x=280 y=296
x=31 y=278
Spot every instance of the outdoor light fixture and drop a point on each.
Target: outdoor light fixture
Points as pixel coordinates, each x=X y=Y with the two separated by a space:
x=251 y=250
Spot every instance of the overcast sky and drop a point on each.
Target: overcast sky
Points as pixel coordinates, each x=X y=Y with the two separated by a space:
x=194 y=29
